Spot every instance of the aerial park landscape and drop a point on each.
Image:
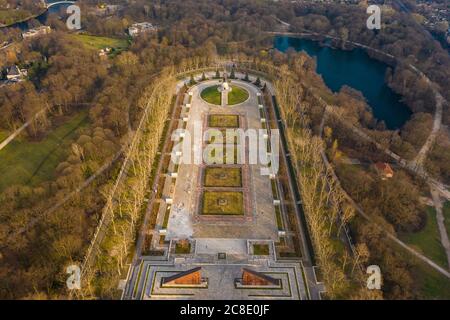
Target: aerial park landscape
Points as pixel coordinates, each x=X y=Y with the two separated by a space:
x=210 y=150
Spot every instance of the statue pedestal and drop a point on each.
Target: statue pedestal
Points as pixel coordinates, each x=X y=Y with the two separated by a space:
x=224 y=88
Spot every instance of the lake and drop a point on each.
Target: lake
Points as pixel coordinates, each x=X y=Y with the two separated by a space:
x=357 y=70
x=57 y=9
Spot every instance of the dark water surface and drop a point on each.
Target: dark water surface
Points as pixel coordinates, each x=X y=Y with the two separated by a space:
x=357 y=70
x=57 y=8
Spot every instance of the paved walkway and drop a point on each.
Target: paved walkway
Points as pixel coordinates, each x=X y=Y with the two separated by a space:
x=215 y=246
x=224 y=95
x=184 y=221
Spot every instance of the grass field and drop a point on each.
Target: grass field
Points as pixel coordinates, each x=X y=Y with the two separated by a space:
x=222 y=203
x=430 y=283
x=97 y=42
x=25 y=162
x=222 y=177
x=223 y=121
x=446 y=212
x=427 y=241
x=212 y=95
x=237 y=95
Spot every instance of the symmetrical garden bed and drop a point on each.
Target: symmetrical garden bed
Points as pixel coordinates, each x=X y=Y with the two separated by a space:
x=223 y=121
x=222 y=203
x=261 y=249
x=222 y=177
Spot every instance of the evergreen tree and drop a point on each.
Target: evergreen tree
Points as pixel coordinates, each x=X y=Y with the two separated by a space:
x=192 y=80
x=258 y=82
x=232 y=75
x=217 y=76
x=246 y=78
x=203 y=76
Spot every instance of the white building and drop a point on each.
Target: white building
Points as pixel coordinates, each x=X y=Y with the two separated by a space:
x=103 y=53
x=36 y=32
x=141 y=27
x=15 y=74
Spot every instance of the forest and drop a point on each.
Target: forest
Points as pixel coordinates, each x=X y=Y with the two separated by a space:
x=69 y=79
x=12 y=11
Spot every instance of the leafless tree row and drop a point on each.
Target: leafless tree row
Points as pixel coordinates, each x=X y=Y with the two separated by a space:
x=322 y=200
x=125 y=200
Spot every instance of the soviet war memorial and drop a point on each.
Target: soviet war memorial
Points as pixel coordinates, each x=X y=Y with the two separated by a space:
x=209 y=158
x=224 y=215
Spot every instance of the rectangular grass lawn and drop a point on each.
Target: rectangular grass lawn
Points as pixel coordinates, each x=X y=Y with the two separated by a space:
x=182 y=248
x=223 y=121
x=222 y=177
x=261 y=249
x=222 y=203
